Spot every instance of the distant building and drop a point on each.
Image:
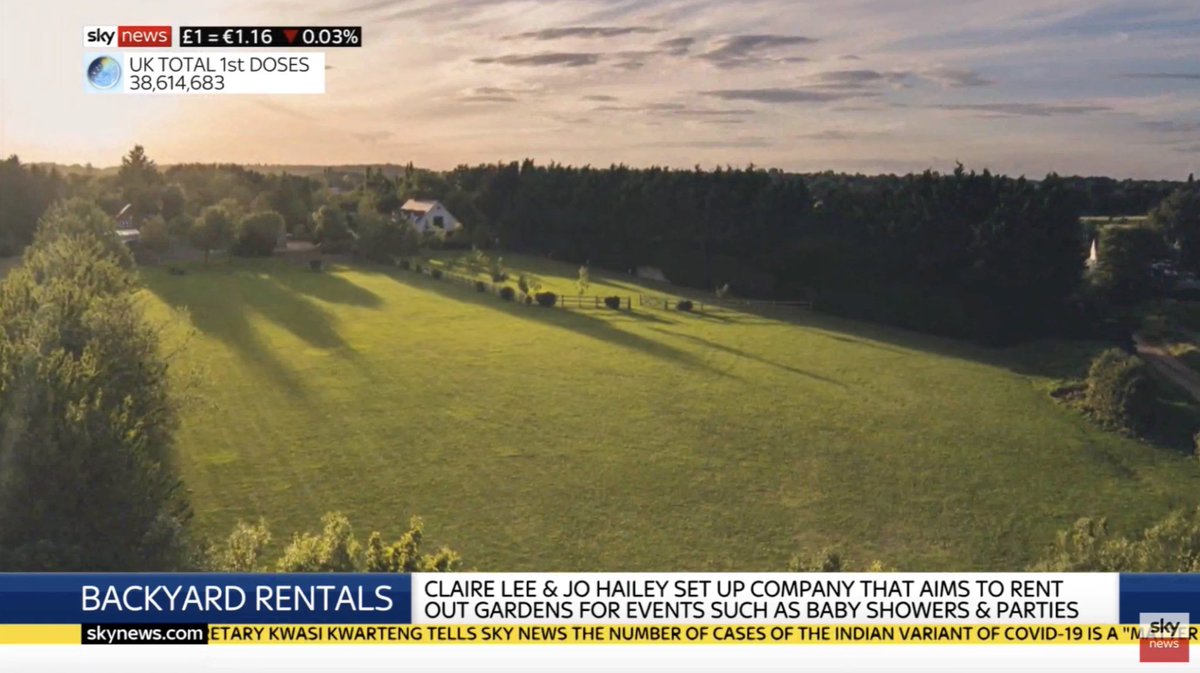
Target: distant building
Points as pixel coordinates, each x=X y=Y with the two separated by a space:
x=429 y=217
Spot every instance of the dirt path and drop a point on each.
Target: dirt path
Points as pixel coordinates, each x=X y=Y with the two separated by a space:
x=1169 y=366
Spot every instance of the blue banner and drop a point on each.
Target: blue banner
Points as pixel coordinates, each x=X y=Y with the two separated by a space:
x=191 y=598
x=1159 y=593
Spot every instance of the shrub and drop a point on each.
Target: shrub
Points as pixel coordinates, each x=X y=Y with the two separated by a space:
x=613 y=302
x=480 y=286
x=436 y=274
x=418 y=269
x=547 y=299
x=1120 y=393
x=405 y=264
x=507 y=293
x=316 y=264
x=499 y=277
x=684 y=305
x=528 y=300
x=257 y=234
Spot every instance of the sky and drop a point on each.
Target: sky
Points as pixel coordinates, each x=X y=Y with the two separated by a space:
x=873 y=86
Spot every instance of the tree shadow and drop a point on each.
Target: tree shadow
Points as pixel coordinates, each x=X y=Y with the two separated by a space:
x=575 y=321
x=217 y=315
x=705 y=343
x=328 y=286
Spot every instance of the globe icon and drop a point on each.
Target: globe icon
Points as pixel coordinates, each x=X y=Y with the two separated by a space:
x=104 y=72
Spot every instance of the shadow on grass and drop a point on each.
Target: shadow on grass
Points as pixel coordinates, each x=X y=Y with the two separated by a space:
x=219 y=302
x=575 y=321
x=327 y=286
x=705 y=343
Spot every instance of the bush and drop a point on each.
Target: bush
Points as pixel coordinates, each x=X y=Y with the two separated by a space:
x=436 y=274
x=547 y=299
x=480 y=286
x=1120 y=393
x=418 y=269
x=257 y=234
x=528 y=300
x=404 y=264
x=499 y=277
x=316 y=264
x=613 y=302
x=507 y=293
x=684 y=305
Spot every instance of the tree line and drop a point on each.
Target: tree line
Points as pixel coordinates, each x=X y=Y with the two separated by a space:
x=965 y=254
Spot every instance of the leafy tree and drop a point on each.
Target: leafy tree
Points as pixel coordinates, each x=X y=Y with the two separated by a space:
x=404 y=555
x=258 y=233
x=153 y=234
x=86 y=415
x=1124 y=254
x=330 y=230
x=174 y=201
x=333 y=550
x=242 y=551
x=379 y=238
x=212 y=230
x=25 y=192
x=1170 y=545
x=336 y=550
x=1178 y=216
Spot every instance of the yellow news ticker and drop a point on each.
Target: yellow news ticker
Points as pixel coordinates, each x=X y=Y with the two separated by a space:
x=772 y=634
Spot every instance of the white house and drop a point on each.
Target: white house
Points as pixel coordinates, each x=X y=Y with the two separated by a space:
x=429 y=217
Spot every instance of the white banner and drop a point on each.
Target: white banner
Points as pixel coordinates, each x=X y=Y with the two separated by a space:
x=765 y=598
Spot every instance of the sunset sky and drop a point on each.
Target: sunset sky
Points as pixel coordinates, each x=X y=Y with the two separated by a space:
x=1018 y=86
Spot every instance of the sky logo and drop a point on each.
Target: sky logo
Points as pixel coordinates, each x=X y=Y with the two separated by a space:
x=1164 y=637
x=100 y=37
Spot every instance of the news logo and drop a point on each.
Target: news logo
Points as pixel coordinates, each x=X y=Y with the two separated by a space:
x=102 y=74
x=1164 y=637
x=126 y=37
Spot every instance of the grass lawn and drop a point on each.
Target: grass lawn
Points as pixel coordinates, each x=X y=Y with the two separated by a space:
x=547 y=439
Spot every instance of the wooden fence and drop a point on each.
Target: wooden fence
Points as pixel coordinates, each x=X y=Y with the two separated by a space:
x=714 y=304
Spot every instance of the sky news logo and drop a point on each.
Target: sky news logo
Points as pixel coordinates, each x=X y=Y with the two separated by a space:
x=1164 y=637
x=96 y=37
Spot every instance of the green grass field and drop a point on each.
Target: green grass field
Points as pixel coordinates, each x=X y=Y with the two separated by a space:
x=550 y=439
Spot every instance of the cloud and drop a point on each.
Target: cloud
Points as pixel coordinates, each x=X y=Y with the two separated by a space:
x=1028 y=109
x=489 y=94
x=678 y=110
x=600 y=98
x=956 y=79
x=1170 y=126
x=741 y=50
x=1162 y=75
x=780 y=95
x=582 y=32
x=542 y=59
x=677 y=46
x=858 y=79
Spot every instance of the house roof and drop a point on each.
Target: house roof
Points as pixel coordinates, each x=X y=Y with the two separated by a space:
x=415 y=206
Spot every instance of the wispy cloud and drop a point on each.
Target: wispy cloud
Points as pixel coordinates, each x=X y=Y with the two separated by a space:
x=780 y=95
x=583 y=32
x=1027 y=109
x=1162 y=75
x=744 y=50
x=541 y=59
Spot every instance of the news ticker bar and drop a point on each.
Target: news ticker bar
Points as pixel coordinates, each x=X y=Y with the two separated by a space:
x=592 y=634
x=277 y=37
